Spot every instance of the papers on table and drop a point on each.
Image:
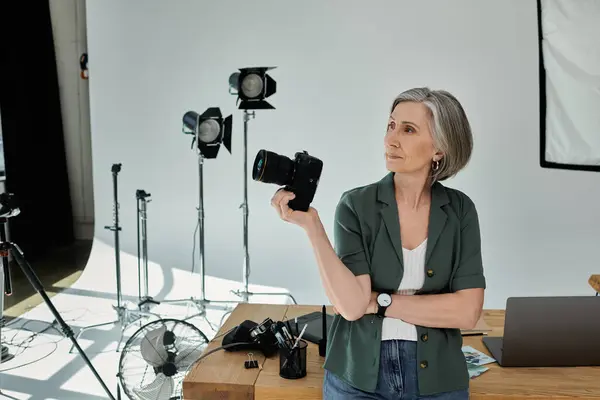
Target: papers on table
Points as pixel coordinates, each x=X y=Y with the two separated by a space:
x=476 y=361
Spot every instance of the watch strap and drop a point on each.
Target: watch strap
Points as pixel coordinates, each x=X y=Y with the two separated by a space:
x=381 y=309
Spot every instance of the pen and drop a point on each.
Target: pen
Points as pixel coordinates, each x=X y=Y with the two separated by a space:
x=300 y=336
x=295 y=345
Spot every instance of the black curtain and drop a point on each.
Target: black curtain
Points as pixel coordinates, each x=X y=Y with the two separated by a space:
x=32 y=129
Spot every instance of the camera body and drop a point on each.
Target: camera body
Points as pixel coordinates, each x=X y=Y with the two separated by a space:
x=300 y=176
x=267 y=337
x=263 y=335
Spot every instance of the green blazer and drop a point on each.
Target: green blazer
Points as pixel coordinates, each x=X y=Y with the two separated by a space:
x=367 y=240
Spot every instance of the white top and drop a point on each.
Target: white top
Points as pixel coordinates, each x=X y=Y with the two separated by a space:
x=412 y=280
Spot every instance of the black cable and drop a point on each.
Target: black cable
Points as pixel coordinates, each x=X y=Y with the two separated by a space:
x=26 y=343
x=34 y=361
x=5 y=324
x=33 y=335
x=223 y=334
x=30 y=338
x=28 y=346
x=226 y=346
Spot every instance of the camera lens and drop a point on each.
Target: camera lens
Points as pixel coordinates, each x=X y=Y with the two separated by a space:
x=271 y=167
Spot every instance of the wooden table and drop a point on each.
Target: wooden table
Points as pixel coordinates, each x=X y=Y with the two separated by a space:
x=222 y=375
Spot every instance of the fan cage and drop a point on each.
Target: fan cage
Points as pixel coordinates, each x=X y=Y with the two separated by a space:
x=135 y=372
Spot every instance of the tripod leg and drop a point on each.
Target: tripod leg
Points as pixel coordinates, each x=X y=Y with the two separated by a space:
x=37 y=285
x=223 y=317
x=120 y=339
x=210 y=324
x=90 y=327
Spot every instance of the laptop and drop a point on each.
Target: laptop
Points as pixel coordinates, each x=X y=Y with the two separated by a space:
x=549 y=332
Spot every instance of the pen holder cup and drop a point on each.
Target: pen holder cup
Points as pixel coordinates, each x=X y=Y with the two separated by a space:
x=292 y=363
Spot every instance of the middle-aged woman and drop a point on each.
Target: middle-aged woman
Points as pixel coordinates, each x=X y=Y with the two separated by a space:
x=405 y=274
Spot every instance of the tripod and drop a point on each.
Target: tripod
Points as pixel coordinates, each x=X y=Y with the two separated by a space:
x=142 y=203
x=245 y=293
x=201 y=303
x=125 y=316
x=4 y=351
x=7 y=248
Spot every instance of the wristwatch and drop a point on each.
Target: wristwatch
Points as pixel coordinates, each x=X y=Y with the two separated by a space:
x=384 y=300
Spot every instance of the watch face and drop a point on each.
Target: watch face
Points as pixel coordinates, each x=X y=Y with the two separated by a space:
x=384 y=299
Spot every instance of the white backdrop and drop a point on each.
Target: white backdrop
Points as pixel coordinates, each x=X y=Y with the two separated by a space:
x=340 y=64
x=571 y=38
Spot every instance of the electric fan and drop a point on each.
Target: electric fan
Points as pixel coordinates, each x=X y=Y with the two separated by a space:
x=155 y=359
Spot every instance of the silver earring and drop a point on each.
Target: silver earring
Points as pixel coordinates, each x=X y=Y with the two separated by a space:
x=435 y=166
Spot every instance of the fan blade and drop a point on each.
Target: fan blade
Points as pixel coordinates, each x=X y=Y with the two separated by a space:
x=152 y=347
x=186 y=356
x=159 y=389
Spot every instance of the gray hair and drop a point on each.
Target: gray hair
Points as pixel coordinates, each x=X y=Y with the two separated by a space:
x=450 y=128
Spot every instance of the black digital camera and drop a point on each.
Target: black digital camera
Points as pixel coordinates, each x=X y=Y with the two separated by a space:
x=267 y=337
x=300 y=176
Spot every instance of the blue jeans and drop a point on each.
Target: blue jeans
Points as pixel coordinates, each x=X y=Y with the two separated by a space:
x=397 y=378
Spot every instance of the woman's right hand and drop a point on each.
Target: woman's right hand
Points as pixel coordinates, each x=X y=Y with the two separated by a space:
x=304 y=219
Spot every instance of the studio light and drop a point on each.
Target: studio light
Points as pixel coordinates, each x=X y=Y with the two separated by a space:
x=209 y=129
x=253 y=85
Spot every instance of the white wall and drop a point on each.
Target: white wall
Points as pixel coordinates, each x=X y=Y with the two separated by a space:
x=340 y=64
x=69 y=30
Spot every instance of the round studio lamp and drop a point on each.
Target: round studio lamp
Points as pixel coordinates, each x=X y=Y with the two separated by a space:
x=210 y=130
x=253 y=86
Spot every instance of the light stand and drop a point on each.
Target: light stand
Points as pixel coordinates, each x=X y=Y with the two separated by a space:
x=8 y=248
x=125 y=316
x=4 y=351
x=246 y=212
x=253 y=86
x=207 y=140
x=245 y=293
x=145 y=300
